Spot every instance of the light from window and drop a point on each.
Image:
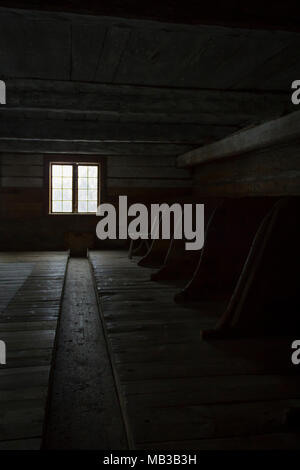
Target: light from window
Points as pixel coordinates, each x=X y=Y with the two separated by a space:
x=62 y=188
x=74 y=188
x=87 y=188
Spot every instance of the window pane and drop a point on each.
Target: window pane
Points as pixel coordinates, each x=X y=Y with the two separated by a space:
x=82 y=195
x=67 y=170
x=56 y=182
x=67 y=195
x=57 y=195
x=92 y=206
x=92 y=171
x=82 y=183
x=67 y=206
x=56 y=206
x=62 y=188
x=92 y=183
x=56 y=170
x=87 y=188
x=82 y=171
x=62 y=183
x=82 y=206
x=92 y=195
x=67 y=183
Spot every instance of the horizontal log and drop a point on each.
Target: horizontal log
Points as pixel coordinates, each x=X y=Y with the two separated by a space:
x=270 y=172
x=217 y=106
x=148 y=183
x=145 y=172
x=141 y=161
x=220 y=118
x=112 y=160
x=89 y=147
x=14 y=126
x=21 y=182
x=11 y=159
x=153 y=194
x=281 y=186
x=285 y=129
x=22 y=170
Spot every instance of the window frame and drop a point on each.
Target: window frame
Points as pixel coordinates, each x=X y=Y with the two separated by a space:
x=75 y=161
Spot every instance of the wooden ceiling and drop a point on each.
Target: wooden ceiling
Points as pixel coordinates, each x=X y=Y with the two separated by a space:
x=254 y=14
x=116 y=85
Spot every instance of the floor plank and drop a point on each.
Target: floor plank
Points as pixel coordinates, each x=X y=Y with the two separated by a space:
x=178 y=391
x=31 y=285
x=84 y=411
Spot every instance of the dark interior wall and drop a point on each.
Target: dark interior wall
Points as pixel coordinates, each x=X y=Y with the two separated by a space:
x=24 y=197
x=264 y=172
x=136 y=93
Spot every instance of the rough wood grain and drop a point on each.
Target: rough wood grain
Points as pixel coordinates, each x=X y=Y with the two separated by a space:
x=30 y=292
x=180 y=392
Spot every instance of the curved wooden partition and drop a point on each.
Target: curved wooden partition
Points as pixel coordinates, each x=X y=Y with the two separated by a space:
x=266 y=298
x=138 y=248
x=156 y=254
x=179 y=263
x=228 y=239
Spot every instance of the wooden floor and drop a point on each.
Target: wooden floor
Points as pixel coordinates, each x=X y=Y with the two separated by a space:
x=179 y=392
x=31 y=287
x=176 y=391
x=84 y=410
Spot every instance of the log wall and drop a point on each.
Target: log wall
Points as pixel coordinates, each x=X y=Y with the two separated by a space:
x=24 y=195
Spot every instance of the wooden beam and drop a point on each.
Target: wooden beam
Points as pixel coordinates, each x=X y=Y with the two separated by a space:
x=96 y=147
x=156 y=104
x=267 y=172
x=83 y=129
x=278 y=131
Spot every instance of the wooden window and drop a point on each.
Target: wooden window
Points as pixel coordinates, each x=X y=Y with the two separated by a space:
x=74 y=188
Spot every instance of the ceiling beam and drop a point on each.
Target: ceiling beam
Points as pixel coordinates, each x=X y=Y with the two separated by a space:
x=269 y=134
x=154 y=104
x=12 y=125
x=90 y=147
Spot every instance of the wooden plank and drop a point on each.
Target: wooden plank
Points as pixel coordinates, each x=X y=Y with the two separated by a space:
x=51 y=55
x=21 y=444
x=269 y=134
x=140 y=161
x=220 y=107
x=176 y=389
x=183 y=117
x=215 y=421
x=11 y=159
x=22 y=378
x=146 y=172
x=84 y=408
x=274 y=441
x=20 y=182
x=273 y=172
x=22 y=170
x=148 y=183
x=90 y=130
x=87 y=43
x=22 y=419
x=210 y=390
x=113 y=47
x=30 y=292
x=90 y=147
